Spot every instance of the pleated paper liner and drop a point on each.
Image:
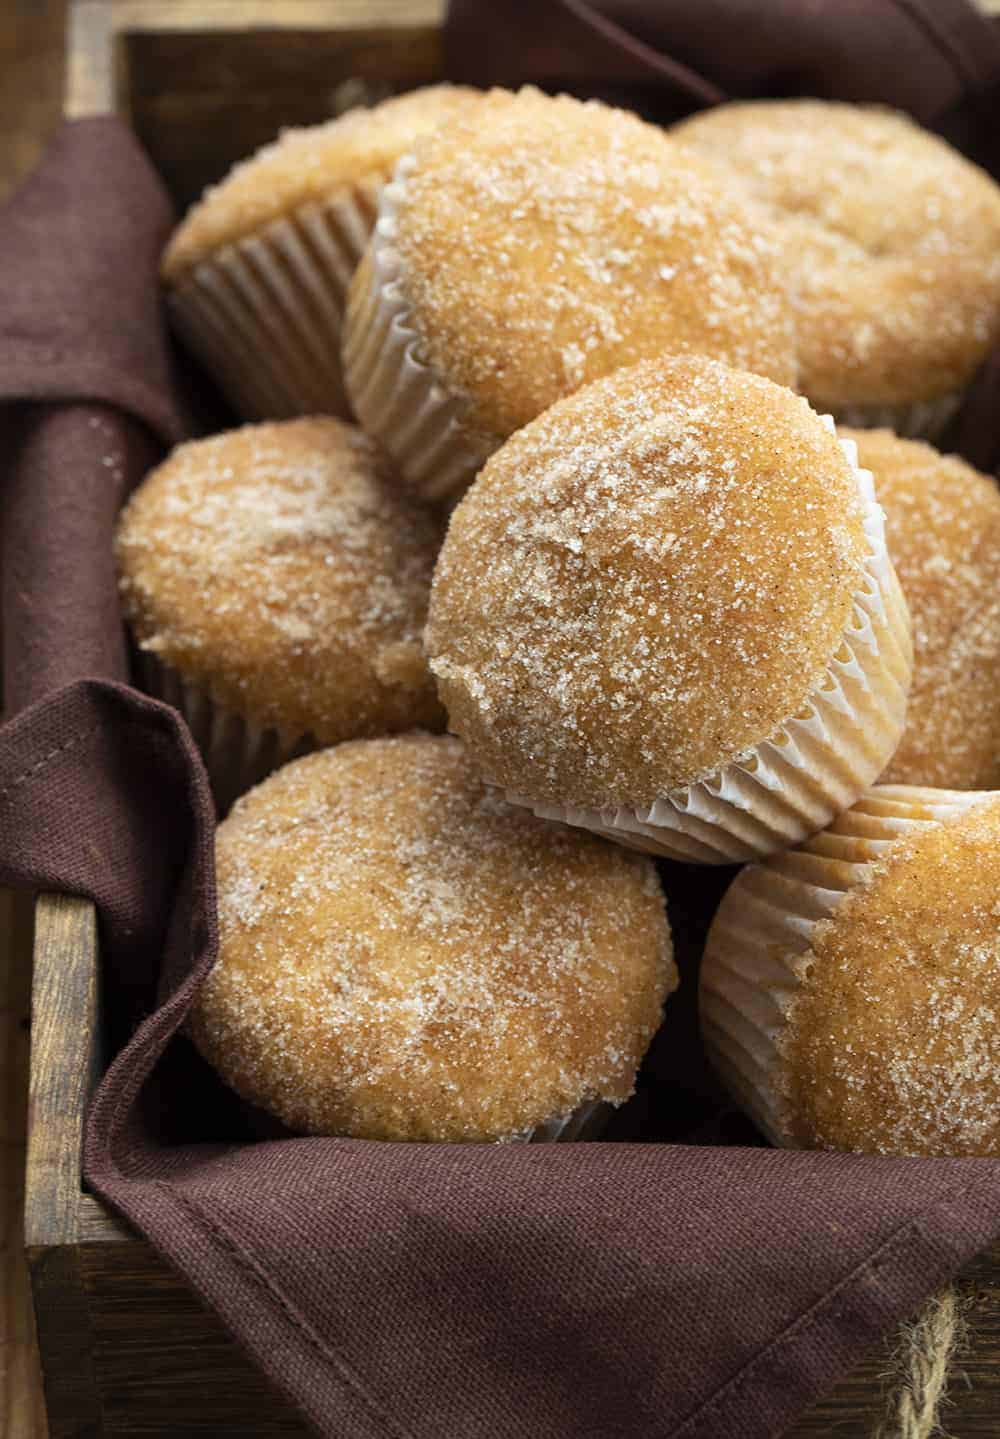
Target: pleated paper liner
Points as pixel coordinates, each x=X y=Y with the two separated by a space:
x=265 y=314
x=398 y=397
x=815 y=765
x=587 y=1121
x=238 y=752
x=759 y=940
x=922 y=420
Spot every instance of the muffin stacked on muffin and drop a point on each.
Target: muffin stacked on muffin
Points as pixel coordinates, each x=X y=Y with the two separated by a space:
x=665 y=611
x=276 y=583
x=405 y=956
x=534 y=245
x=258 y=271
x=891 y=240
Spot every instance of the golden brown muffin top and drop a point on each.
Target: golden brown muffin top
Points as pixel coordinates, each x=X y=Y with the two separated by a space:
x=306 y=166
x=277 y=566
x=545 y=242
x=644 y=583
x=893 y=1041
x=943 y=531
x=891 y=240
x=405 y=956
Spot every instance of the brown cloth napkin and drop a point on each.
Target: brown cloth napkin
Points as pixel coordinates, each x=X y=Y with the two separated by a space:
x=646 y=1291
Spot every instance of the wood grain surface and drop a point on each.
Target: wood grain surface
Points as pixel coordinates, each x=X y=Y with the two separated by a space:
x=31 y=84
x=22 y=1413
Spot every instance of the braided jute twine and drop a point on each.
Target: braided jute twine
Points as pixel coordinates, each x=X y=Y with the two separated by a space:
x=920 y=1371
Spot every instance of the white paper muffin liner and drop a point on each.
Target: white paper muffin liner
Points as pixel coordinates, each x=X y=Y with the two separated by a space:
x=922 y=420
x=238 y=752
x=815 y=764
x=398 y=397
x=587 y=1121
x=265 y=314
x=760 y=937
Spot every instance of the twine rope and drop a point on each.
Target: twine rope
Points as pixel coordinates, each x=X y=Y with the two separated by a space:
x=921 y=1370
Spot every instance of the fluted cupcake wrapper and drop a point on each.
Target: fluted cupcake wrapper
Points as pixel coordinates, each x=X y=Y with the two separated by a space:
x=922 y=420
x=238 y=752
x=758 y=945
x=398 y=397
x=587 y=1121
x=815 y=765
x=265 y=314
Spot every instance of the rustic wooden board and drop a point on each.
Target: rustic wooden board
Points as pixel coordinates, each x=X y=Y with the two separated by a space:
x=64 y=1054
x=207 y=83
x=22 y=1411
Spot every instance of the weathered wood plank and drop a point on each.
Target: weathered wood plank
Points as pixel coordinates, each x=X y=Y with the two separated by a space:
x=97 y=1225
x=199 y=102
x=22 y=1409
x=165 y=1366
x=101 y=31
x=64 y=1053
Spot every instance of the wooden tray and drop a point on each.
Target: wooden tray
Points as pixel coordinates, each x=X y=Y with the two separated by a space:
x=127 y=1348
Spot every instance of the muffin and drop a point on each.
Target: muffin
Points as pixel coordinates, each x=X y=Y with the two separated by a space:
x=404 y=956
x=665 y=612
x=850 y=992
x=276 y=585
x=534 y=245
x=943 y=532
x=257 y=273
x=891 y=240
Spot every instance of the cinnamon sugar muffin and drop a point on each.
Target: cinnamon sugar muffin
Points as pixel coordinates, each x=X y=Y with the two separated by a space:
x=534 y=245
x=850 y=990
x=405 y=956
x=943 y=532
x=276 y=584
x=258 y=270
x=892 y=242
x=665 y=611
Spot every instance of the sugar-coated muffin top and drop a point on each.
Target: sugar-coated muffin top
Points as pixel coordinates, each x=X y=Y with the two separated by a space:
x=278 y=567
x=405 y=956
x=943 y=532
x=893 y=1040
x=307 y=165
x=545 y=241
x=891 y=240
x=645 y=583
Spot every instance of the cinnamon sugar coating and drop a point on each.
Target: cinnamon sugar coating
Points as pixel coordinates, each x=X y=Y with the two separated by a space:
x=308 y=165
x=405 y=956
x=645 y=583
x=545 y=241
x=891 y=240
x=893 y=1040
x=278 y=567
x=943 y=532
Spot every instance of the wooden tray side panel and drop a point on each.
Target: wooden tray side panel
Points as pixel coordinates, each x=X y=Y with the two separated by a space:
x=64 y=1056
x=206 y=84
x=164 y=1365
